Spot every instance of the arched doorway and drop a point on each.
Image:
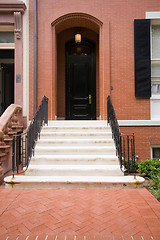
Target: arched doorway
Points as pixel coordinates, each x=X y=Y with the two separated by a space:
x=63 y=31
x=65 y=41
x=80 y=80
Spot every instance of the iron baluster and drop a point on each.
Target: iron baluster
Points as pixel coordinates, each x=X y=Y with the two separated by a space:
x=124 y=152
x=120 y=157
x=20 y=152
x=25 y=157
x=17 y=153
x=134 y=156
x=124 y=143
x=131 y=140
x=24 y=144
x=128 y=154
x=13 y=156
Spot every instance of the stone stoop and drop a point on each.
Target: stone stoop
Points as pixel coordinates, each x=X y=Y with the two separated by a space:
x=74 y=154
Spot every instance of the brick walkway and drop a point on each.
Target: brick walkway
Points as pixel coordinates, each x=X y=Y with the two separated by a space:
x=79 y=214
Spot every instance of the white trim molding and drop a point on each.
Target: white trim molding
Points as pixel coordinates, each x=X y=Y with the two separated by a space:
x=7 y=45
x=152 y=15
x=139 y=123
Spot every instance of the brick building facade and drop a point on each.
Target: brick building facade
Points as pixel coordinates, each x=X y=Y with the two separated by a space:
x=108 y=54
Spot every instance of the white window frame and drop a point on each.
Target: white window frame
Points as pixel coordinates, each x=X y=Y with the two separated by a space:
x=154 y=81
x=155 y=98
x=7 y=45
x=153 y=146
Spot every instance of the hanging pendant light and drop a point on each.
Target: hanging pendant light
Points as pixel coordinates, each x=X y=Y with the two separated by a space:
x=77 y=38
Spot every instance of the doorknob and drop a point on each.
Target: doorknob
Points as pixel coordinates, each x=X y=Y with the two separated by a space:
x=90 y=99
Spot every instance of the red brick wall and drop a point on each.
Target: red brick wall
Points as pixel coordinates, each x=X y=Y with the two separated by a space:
x=116 y=60
x=144 y=138
x=117 y=71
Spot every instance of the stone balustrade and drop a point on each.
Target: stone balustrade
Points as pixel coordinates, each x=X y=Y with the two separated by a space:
x=11 y=122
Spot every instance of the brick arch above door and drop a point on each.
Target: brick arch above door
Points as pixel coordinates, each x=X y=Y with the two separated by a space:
x=75 y=19
x=92 y=23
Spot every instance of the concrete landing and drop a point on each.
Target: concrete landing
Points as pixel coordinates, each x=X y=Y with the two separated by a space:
x=73 y=182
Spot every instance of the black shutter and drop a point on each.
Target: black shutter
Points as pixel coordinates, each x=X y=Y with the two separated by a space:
x=142 y=58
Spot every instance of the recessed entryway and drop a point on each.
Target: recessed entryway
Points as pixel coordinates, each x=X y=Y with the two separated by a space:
x=77 y=75
x=80 y=80
x=6 y=79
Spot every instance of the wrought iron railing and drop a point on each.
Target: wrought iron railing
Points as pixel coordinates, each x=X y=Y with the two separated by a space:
x=24 y=143
x=125 y=144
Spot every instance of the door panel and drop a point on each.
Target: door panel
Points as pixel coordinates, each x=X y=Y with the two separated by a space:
x=6 y=86
x=80 y=79
x=80 y=83
x=79 y=88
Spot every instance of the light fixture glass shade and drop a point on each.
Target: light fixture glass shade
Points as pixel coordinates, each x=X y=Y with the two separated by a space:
x=78 y=38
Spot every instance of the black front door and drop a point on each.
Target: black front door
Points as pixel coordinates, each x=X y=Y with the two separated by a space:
x=6 y=86
x=80 y=81
x=6 y=79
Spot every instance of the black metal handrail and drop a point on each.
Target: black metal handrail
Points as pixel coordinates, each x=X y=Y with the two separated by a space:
x=24 y=143
x=125 y=143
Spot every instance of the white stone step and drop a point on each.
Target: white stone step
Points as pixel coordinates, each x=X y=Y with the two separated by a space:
x=83 y=123
x=74 y=170
x=22 y=181
x=101 y=150
x=74 y=154
x=74 y=159
x=75 y=142
x=75 y=129
x=88 y=135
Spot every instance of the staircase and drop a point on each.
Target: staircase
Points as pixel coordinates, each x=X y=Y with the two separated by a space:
x=11 y=122
x=74 y=154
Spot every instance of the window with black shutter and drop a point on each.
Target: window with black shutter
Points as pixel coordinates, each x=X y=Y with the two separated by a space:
x=142 y=58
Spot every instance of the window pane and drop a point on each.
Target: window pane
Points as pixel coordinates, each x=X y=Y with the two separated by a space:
x=156 y=41
x=156 y=153
x=155 y=69
x=156 y=89
x=6 y=37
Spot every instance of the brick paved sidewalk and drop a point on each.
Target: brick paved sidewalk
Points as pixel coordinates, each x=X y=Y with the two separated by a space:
x=78 y=214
